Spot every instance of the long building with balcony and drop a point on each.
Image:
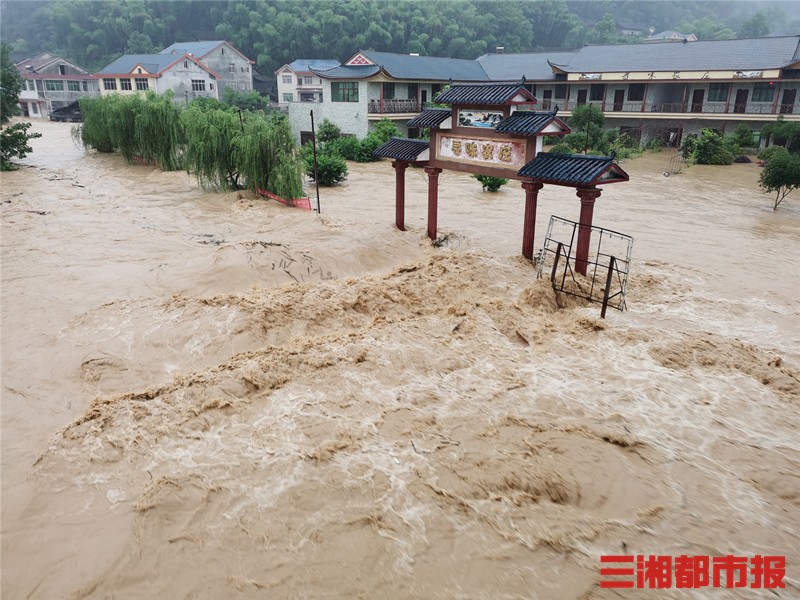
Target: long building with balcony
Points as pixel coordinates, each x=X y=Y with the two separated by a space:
x=50 y=82
x=654 y=89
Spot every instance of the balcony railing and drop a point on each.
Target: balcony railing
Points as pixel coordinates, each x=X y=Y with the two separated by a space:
x=700 y=108
x=394 y=106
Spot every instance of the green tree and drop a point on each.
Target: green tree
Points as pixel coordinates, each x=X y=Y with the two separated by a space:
x=604 y=31
x=756 y=26
x=783 y=133
x=707 y=28
x=489 y=183
x=781 y=175
x=328 y=131
x=14 y=139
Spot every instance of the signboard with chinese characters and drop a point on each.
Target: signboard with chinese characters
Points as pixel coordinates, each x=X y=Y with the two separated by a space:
x=503 y=154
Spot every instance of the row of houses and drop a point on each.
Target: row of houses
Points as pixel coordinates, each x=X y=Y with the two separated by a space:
x=657 y=88
x=190 y=70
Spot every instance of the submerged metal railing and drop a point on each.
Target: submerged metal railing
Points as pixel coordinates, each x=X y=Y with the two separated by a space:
x=607 y=268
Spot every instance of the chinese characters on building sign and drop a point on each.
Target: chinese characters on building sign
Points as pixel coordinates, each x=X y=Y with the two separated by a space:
x=497 y=153
x=692 y=572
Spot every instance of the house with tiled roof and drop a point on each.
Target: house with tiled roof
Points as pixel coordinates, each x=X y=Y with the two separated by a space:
x=184 y=75
x=674 y=88
x=50 y=82
x=671 y=36
x=297 y=81
x=234 y=70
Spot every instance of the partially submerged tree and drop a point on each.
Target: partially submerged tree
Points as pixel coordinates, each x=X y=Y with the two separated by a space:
x=13 y=138
x=781 y=175
x=489 y=183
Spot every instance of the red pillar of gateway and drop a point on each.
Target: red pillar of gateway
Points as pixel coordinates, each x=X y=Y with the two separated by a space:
x=433 y=199
x=587 y=196
x=531 y=196
x=400 y=194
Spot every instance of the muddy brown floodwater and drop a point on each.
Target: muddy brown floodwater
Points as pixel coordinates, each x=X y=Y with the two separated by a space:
x=214 y=396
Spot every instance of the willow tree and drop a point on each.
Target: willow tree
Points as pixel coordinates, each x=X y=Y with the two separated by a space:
x=121 y=114
x=159 y=134
x=267 y=156
x=94 y=133
x=210 y=135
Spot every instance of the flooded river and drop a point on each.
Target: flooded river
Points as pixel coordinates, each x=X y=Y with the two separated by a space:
x=215 y=396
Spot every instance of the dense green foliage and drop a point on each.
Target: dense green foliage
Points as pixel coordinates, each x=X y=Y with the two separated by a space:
x=783 y=133
x=275 y=32
x=224 y=147
x=561 y=149
x=771 y=152
x=328 y=131
x=265 y=156
x=331 y=169
x=743 y=136
x=781 y=175
x=251 y=100
x=709 y=148
x=489 y=183
x=13 y=138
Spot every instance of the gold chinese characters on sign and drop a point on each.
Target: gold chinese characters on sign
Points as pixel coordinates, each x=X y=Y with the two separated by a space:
x=499 y=153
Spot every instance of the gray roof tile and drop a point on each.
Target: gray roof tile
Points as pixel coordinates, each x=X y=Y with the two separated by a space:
x=155 y=63
x=304 y=65
x=431 y=117
x=526 y=122
x=402 y=149
x=569 y=169
x=739 y=55
x=433 y=68
x=481 y=94
x=348 y=72
x=532 y=66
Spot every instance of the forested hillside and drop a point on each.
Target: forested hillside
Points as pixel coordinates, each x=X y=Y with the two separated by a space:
x=276 y=32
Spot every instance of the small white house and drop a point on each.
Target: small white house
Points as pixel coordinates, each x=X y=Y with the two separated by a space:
x=298 y=83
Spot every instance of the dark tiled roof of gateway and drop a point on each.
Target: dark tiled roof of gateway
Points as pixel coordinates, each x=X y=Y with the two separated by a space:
x=405 y=66
x=349 y=72
x=526 y=122
x=431 y=117
x=402 y=149
x=567 y=169
x=480 y=94
x=533 y=66
x=718 y=55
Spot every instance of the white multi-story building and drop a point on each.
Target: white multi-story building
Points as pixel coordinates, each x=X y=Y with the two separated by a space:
x=297 y=82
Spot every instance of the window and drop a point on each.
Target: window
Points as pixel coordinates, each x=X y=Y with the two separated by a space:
x=34 y=108
x=198 y=85
x=29 y=84
x=388 y=91
x=141 y=83
x=597 y=91
x=85 y=86
x=125 y=84
x=561 y=92
x=74 y=86
x=52 y=85
x=211 y=86
x=222 y=50
x=186 y=64
x=62 y=69
x=763 y=92
x=139 y=71
x=308 y=80
x=109 y=84
x=636 y=92
x=344 y=91
x=718 y=92
x=286 y=78
x=231 y=68
x=288 y=97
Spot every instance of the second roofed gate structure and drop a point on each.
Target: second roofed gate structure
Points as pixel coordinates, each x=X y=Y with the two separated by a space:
x=490 y=130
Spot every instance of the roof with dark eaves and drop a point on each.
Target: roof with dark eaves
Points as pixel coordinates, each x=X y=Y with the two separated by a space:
x=406 y=66
x=304 y=65
x=483 y=94
x=431 y=117
x=710 y=55
x=531 y=66
x=402 y=149
x=526 y=122
x=573 y=169
x=154 y=63
x=348 y=72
